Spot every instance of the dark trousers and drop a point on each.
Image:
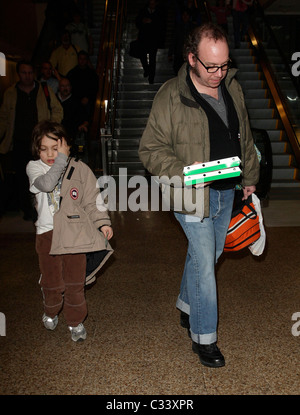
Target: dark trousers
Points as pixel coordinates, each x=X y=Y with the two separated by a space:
x=62 y=282
x=240 y=25
x=15 y=185
x=149 y=68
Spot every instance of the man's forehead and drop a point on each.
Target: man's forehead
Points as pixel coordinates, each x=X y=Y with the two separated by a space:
x=25 y=68
x=210 y=42
x=212 y=47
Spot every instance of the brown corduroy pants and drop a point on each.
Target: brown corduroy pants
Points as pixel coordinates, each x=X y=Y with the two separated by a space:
x=62 y=282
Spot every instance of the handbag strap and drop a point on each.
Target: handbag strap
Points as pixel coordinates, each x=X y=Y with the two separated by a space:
x=249 y=205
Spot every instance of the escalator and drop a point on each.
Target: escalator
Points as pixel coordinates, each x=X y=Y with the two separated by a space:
x=272 y=101
x=135 y=97
x=284 y=96
x=273 y=122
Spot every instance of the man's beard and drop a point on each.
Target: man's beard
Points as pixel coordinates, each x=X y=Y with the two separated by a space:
x=195 y=71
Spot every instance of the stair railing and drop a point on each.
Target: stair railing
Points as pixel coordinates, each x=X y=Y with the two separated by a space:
x=284 y=106
x=108 y=63
x=289 y=120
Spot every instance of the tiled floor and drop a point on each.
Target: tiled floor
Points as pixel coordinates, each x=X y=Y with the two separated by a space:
x=135 y=344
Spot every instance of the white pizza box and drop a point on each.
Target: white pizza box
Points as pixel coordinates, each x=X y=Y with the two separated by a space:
x=213 y=175
x=212 y=166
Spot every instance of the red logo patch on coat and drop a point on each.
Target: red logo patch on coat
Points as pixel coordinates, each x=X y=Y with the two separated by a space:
x=74 y=193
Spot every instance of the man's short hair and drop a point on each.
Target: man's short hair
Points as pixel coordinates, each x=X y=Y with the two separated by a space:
x=83 y=53
x=24 y=62
x=206 y=30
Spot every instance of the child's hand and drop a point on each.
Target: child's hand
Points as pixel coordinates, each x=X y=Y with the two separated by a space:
x=107 y=232
x=62 y=147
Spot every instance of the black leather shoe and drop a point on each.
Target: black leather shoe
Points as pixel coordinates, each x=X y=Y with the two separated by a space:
x=184 y=320
x=209 y=354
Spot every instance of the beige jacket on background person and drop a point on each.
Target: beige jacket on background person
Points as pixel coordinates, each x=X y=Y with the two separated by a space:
x=8 y=110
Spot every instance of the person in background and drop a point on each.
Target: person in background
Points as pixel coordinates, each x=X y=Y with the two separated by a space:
x=50 y=75
x=240 y=16
x=181 y=31
x=151 y=25
x=24 y=104
x=80 y=35
x=197 y=117
x=84 y=81
x=195 y=15
x=64 y=57
x=76 y=117
x=86 y=8
x=221 y=11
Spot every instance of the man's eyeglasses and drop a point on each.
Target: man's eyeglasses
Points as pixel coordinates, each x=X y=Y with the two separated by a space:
x=213 y=69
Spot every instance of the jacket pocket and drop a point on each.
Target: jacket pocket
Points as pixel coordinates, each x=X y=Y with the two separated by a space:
x=77 y=231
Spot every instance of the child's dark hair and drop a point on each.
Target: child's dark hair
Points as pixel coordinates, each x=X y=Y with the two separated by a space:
x=50 y=129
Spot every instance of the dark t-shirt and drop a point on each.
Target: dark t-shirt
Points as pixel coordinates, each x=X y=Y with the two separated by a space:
x=26 y=116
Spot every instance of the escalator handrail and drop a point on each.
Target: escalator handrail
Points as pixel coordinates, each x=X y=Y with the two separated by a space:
x=285 y=62
x=276 y=92
x=109 y=46
x=270 y=77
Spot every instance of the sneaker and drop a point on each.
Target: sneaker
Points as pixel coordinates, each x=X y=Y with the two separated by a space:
x=50 y=323
x=78 y=333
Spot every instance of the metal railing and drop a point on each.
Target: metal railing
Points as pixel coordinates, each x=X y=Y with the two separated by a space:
x=108 y=65
x=280 y=81
x=262 y=37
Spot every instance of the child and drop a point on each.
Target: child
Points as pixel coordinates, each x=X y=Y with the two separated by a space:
x=72 y=233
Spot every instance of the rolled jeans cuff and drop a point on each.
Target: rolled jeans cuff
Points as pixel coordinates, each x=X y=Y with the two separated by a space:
x=197 y=338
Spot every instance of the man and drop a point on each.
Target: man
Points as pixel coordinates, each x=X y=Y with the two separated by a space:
x=80 y=34
x=64 y=58
x=151 y=25
x=84 y=81
x=240 y=19
x=75 y=115
x=47 y=73
x=200 y=116
x=24 y=105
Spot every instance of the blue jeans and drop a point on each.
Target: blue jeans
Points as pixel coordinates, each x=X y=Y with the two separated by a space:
x=206 y=239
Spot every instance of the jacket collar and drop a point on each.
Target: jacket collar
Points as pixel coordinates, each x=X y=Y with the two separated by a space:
x=184 y=90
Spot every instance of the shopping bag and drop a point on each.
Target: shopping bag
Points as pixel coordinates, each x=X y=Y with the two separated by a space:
x=244 y=227
x=258 y=247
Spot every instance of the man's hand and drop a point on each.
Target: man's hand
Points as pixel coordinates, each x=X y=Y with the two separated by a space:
x=248 y=190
